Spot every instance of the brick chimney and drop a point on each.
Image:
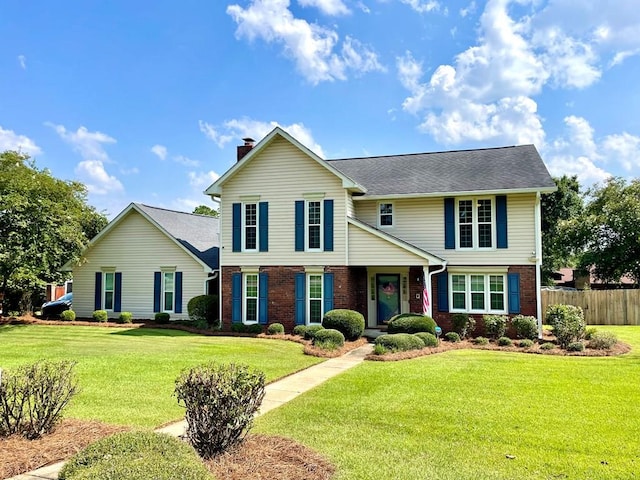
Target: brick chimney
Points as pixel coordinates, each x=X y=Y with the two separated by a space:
x=246 y=148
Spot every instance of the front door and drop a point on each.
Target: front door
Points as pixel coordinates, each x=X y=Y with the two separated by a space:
x=388 y=296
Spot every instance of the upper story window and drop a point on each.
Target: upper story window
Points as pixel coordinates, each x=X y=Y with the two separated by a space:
x=475 y=223
x=314 y=225
x=250 y=227
x=385 y=211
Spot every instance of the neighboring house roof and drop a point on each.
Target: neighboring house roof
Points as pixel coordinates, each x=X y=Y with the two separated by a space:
x=492 y=170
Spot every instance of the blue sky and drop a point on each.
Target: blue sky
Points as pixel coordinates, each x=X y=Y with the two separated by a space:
x=146 y=101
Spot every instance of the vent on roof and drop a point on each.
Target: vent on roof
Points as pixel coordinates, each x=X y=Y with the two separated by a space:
x=246 y=148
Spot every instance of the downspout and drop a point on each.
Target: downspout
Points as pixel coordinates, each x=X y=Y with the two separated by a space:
x=427 y=274
x=538 y=256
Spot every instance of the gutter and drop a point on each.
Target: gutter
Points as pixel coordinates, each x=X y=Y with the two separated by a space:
x=538 y=256
x=428 y=275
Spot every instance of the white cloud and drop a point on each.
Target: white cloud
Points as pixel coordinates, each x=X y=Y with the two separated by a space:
x=9 y=140
x=88 y=144
x=201 y=180
x=620 y=57
x=213 y=134
x=160 y=151
x=186 y=161
x=422 y=6
x=93 y=174
x=328 y=7
x=624 y=148
x=22 y=60
x=313 y=48
x=469 y=9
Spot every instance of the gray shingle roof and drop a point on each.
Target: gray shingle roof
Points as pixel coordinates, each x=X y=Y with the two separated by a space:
x=490 y=169
x=200 y=234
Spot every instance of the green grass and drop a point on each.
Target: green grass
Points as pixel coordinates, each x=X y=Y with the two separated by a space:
x=127 y=375
x=459 y=415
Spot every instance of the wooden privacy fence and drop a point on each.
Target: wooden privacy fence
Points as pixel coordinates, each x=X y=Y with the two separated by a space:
x=601 y=307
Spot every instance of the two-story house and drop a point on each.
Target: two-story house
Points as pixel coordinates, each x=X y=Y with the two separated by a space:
x=439 y=232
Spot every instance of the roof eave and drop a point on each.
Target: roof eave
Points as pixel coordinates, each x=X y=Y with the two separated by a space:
x=457 y=193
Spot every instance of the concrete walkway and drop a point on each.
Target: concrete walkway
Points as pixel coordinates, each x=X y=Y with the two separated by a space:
x=276 y=394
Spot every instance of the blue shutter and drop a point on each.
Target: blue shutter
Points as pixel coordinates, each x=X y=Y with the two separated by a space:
x=236 y=297
x=263 y=218
x=236 y=227
x=157 y=290
x=263 y=296
x=299 y=225
x=501 y=221
x=301 y=299
x=178 y=292
x=514 y=292
x=117 y=293
x=443 y=292
x=97 y=301
x=327 y=292
x=449 y=223
x=328 y=225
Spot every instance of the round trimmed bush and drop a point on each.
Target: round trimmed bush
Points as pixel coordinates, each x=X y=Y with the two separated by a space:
x=254 y=328
x=328 y=338
x=125 y=317
x=505 y=342
x=525 y=326
x=162 y=317
x=379 y=349
x=427 y=338
x=275 y=329
x=602 y=340
x=311 y=331
x=526 y=343
x=495 y=325
x=481 y=341
x=575 y=347
x=400 y=342
x=204 y=308
x=463 y=324
x=100 y=316
x=568 y=323
x=452 y=337
x=349 y=322
x=300 y=330
x=411 y=323
x=136 y=455
x=68 y=316
x=547 y=346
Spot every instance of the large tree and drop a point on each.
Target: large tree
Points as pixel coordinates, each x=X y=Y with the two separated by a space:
x=205 y=210
x=44 y=222
x=558 y=208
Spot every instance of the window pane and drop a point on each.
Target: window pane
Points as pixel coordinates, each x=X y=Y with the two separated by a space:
x=386 y=214
x=250 y=214
x=252 y=286
x=477 y=283
x=458 y=283
x=315 y=286
x=252 y=309
x=386 y=220
x=168 y=300
x=314 y=236
x=314 y=213
x=459 y=301
x=466 y=236
x=168 y=281
x=108 y=281
x=484 y=211
x=497 y=301
x=250 y=238
x=315 y=311
x=484 y=235
x=477 y=301
x=465 y=211
x=108 y=300
x=496 y=283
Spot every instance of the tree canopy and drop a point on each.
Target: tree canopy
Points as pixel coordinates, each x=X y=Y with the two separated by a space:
x=205 y=210
x=44 y=222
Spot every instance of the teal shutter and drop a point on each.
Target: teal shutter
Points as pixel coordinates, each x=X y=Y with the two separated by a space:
x=301 y=300
x=327 y=292
x=514 y=292
x=443 y=292
x=263 y=296
x=178 y=292
x=117 y=292
x=501 y=221
x=236 y=297
x=263 y=228
x=157 y=290
x=299 y=226
x=236 y=227
x=449 y=223
x=97 y=299
x=328 y=225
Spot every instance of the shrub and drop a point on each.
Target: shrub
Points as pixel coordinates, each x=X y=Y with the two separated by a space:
x=602 y=340
x=379 y=349
x=411 y=323
x=400 y=342
x=526 y=343
x=300 y=330
x=328 y=339
x=136 y=455
x=452 y=337
x=275 y=329
x=547 y=346
x=311 y=331
x=481 y=341
x=525 y=327
x=589 y=332
x=427 y=338
x=575 y=347
x=68 y=316
x=162 y=317
x=568 y=323
x=495 y=325
x=463 y=324
x=559 y=311
x=238 y=327
x=220 y=402
x=204 y=308
x=349 y=322
x=100 y=316
x=255 y=328
x=505 y=342
x=32 y=397
x=125 y=317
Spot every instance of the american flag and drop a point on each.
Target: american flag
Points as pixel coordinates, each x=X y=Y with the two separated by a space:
x=425 y=297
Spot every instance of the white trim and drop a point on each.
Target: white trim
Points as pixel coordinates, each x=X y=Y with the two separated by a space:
x=314 y=269
x=244 y=226
x=314 y=195
x=244 y=297
x=479 y=269
x=307 y=237
x=486 y=292
x=108 y=271
x=308 y=297
x=475 y=224
x=163 y=289
x=538 y=253
x=250 y=198
x=453 y=193
x=392 y=214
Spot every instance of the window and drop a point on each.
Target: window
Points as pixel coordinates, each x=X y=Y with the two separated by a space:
x=475 y=223
x=314 y=299
x=108 y=290
x=250 y=230
x=478 y=293
x=250 y=297
x=168 y=289
x=314 y=225
x=386 y=214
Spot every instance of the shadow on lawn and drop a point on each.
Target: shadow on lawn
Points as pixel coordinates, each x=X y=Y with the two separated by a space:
x=152 y=331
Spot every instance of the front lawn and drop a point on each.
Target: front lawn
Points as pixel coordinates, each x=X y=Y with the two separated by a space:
x=127 y=375
x=471 y=414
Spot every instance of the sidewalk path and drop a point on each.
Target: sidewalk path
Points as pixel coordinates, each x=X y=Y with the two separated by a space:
x=276 y=394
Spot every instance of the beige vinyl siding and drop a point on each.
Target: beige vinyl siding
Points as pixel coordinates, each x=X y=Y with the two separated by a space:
x=366 y=249
x=420 y=221
x=280 y=175
x=136 y=248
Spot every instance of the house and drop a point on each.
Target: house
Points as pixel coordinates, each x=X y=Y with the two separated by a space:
x=586 y=280
x=147 y=260
x=442 y=233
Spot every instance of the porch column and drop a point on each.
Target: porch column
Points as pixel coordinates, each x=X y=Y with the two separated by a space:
x=426 y=290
